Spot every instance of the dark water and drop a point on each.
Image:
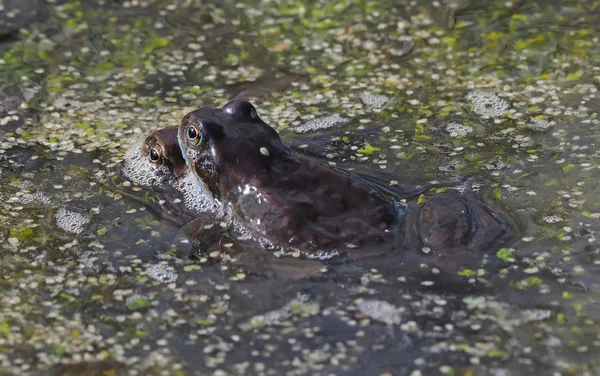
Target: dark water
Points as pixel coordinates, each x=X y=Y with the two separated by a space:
x=95 y=280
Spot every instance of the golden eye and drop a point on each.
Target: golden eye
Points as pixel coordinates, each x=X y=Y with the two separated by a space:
x=194 y=134
x=154 y=155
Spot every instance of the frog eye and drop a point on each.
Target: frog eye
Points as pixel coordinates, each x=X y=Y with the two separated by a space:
x=154 y=155
x=194 y=134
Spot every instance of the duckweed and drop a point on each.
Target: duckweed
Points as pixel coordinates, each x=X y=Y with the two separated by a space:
x=424 y=91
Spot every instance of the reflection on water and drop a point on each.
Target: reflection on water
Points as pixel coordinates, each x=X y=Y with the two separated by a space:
x=95 y=274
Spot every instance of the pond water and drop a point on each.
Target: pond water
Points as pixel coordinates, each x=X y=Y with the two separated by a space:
x=95 y=279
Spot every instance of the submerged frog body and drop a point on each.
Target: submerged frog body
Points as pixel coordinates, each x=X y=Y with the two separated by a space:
x=296 y=202
x=454 y=228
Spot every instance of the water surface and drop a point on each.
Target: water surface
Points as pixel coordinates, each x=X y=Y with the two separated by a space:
x=93 y=279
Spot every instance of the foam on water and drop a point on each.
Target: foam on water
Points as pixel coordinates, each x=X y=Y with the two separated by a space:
x=496 y=164
x=322 y=255
x=552 y=219
x=375 y=101
x=300 y=305
x=71 y=221
x=39 y=197
x=22 y=184
x=162 y=273
x=540 y=125
x=381 y=311
x=194 y=198
x=321 y=123
x=458 y=129
x=487 y=104
x=452 y=165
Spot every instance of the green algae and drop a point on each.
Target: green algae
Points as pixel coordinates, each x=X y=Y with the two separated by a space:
x=139 y=303
x=5 y=328
x=504 y=254
x=368 y=149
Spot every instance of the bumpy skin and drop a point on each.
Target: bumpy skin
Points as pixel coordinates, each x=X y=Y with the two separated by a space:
x=294 y=201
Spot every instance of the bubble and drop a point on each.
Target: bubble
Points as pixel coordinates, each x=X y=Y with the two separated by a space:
x=321 y=123
x=487 y=104
x=381 y=311
x=91 y=263
x=71 y=221
x=37 y=197
x=451 y=165
x=496 y=164
x=194 y=197
x=375 y=101
x=22 y=184
x=322 y=255
x=540 y=125
x=458 y=129
x=301 y=304
x=552 y=219
x=162 y=273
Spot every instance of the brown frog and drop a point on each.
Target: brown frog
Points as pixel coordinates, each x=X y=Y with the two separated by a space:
x=297 y=203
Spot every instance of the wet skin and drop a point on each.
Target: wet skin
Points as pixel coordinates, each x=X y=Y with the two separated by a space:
x=297 y=202
x=285 y=197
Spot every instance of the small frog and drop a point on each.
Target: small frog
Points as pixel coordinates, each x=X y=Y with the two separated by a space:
x=161 y=147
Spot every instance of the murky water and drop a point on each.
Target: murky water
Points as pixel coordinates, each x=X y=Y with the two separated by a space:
x=95 y=277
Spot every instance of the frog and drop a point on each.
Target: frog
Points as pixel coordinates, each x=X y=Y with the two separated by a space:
x=294 y=202
x=202 y=234
x=278 y=194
